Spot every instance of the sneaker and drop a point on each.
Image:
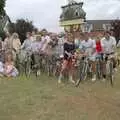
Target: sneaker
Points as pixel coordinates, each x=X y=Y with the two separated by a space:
x=103 y=80
x=38 y=73
x=94 y=78
x=71 y=80
x=115 y=70
x=60 y=77
x=59 y=81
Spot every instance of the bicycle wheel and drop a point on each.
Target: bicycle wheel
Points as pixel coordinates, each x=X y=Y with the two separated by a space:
x=98 y=70
x=28 y=67
x=111 y=73
x=37 y=64
x=57 y=69
x=83 y=73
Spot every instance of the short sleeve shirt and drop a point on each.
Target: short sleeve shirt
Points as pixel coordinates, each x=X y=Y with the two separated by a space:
x=88 y=46
x=108 y=45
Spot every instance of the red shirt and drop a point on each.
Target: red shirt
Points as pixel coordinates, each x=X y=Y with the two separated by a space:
x=98 y=47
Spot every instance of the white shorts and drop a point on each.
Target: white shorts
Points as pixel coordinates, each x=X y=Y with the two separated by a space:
x=93 y=57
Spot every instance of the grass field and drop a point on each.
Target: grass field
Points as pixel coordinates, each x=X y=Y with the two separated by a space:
x=44 y=99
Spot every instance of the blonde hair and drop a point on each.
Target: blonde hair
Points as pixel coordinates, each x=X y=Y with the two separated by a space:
x=15 y=35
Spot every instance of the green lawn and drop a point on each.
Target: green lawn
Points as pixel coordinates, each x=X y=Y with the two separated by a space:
x=44 y=99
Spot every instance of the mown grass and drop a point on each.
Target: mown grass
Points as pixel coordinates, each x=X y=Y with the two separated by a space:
x=43 y=99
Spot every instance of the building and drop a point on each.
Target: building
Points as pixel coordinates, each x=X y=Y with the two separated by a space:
x=97 y=25
x=73 y=16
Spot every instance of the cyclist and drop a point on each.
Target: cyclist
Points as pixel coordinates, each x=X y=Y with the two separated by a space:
x=36 y=45
x=26 y=46
x=27 y=43
x=88 y=51
x=35 y=48
x=109 y=45
x=87 y=45
x=45 y=41
x=69 y=48
x=97 y=54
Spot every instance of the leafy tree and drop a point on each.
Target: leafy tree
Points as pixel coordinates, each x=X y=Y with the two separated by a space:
x=116 y=29
x=21 y=27
x=2 y=35
x=2 y=5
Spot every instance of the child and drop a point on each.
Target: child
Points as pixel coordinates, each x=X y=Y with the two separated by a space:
x=97 y=53
x=9 y=68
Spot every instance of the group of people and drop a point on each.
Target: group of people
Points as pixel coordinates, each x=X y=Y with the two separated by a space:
x=88 y=46
x=7 y=47
x=34 y=44
x=68 y=46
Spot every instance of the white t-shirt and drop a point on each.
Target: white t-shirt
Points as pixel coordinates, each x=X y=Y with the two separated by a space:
x=45 y=41
x=88 y=46
x=26 y=45
x=36 y=46
x=108 y=45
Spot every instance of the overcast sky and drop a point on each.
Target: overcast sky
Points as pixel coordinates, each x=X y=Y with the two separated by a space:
x=45 y=13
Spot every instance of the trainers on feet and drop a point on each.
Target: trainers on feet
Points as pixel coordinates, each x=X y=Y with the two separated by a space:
x=38 y=73
x=72 y=81
x=115 y=70
x=94 y=78
x=103 y=79
x=59 y=81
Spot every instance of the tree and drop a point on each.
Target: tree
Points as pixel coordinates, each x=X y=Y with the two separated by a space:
x=21 y=27
x=116 y=29
x=2 y=5
x=2 y=35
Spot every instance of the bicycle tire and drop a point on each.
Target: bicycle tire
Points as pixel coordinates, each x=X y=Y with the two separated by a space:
x=98 y=70
x=82 y=74
x=28 y=67
x=111 y=73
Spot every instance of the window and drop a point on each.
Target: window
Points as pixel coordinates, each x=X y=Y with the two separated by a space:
x=106 y=26
x=88 y=27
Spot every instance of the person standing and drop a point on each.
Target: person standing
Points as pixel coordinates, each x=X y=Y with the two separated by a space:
x=45 y=41
x=27 y=43
x=109 y=43
x=69 y=48
x=7 y=42
x=16 y=44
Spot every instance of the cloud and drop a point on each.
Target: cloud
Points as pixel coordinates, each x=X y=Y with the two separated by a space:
x=45 y=13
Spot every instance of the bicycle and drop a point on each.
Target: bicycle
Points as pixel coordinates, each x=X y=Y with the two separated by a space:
x=58 y=66
x=109 y=67
x=23 y=62
x=84 y=68
x=37 y=63
x=99 y=62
